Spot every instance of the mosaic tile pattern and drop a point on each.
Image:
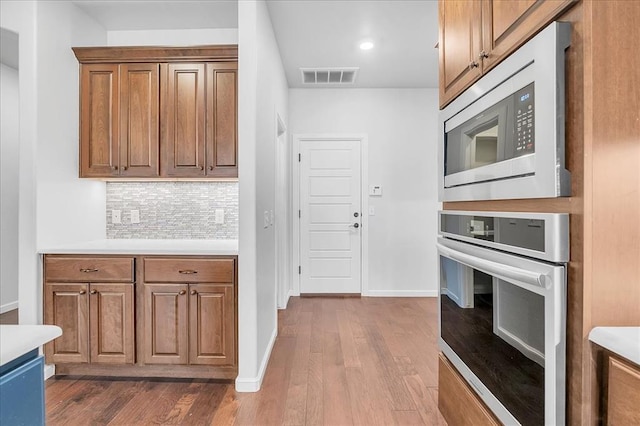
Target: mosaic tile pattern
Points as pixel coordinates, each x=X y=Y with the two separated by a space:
x=173 y=210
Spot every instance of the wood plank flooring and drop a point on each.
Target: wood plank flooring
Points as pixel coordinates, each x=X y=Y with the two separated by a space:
x=336 y=361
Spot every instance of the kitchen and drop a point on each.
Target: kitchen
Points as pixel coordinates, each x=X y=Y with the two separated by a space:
x=71 y=210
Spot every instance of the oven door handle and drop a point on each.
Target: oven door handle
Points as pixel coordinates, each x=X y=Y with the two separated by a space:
x=506 y=272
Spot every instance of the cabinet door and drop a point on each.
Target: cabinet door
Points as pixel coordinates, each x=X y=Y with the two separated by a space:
x=623 y=401
x=212 y=324
x=67 y=306
x=111 y=323
x=166 y=325
x=99 y=89
x=139 y=109
x=183 y=119
x=508 y=24
x=460 y=44
x=222 y=129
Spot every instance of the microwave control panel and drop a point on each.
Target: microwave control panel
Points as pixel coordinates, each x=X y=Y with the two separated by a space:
x=525 y=121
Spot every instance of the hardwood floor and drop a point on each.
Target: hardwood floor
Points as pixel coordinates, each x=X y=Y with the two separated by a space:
x=336 y=361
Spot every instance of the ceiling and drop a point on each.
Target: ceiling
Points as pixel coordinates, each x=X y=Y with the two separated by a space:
x=310 y=33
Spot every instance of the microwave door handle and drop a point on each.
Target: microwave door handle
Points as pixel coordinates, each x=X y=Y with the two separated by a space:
x=499 y=270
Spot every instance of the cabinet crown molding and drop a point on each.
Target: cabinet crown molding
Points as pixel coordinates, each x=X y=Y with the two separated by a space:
x=121 y=54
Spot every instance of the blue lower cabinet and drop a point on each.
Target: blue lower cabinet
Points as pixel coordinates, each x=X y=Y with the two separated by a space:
x=22 y=391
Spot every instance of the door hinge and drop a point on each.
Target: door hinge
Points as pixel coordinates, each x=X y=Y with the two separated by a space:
x=299 y=157
x=299 y=213
x=299 y=270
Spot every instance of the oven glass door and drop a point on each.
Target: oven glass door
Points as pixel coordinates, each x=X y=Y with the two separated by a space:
x=502 y=322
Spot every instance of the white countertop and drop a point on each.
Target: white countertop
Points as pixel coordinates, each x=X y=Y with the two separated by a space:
x=17 y=340
x=134 y=247
x=624 y=341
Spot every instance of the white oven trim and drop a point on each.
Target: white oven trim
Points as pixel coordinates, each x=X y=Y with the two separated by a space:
x=541 y=60
x=554 y=293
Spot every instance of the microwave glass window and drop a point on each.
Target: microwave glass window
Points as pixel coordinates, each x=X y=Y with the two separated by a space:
x=502 y=132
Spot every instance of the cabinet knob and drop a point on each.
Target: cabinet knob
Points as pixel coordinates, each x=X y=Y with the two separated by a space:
x=124 y=168
x=210 y=167
x=201 y=167
x=93 y=292
x=483 y=55
x=193 y=292
x=182 y=292
x=83 y=291
x=114 y=167
x=473 y=65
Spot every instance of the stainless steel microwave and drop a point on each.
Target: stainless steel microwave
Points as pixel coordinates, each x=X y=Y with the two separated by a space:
x=503 y=138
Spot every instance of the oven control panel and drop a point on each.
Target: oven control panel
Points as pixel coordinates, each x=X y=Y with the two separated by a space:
x=525 y=121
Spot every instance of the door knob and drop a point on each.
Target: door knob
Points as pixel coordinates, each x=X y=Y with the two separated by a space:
x=355 y=225
x=356 y=214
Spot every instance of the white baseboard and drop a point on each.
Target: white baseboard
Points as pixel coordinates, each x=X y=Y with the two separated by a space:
x=49 y=370
x=8 y=307
x=253 y=384
x=401 y=293
x=286 y=302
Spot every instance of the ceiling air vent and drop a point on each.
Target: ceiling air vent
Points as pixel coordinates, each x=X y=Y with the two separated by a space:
x=328 y=76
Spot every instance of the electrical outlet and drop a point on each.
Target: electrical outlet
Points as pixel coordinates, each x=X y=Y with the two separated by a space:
x=135 y=216
x=219 y=216
x=116 y=216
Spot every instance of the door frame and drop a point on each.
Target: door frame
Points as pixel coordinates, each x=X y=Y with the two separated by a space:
x=282 y=215
x=364 y=203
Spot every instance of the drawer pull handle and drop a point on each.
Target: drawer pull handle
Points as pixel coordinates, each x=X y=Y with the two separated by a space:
x=193 y=292
x=187 y=271
x=87 y=270
x=182 y=292
x=83 y=291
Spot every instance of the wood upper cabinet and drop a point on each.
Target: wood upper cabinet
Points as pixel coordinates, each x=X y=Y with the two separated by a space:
x=222 y=120
x=477 y=35
x=189 y=311
x=139 y=109
x=97 y=318
x=183 y=119
x=158 y=112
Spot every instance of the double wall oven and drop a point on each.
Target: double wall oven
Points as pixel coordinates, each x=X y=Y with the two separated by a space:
x=503 y=275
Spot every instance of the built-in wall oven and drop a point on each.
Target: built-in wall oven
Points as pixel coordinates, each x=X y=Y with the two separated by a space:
x=502 y=309
x=503 y=138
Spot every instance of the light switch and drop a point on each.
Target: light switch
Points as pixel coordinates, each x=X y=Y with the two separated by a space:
x=135 y=216
x=375 y=190
x=271 y=217
x=266 y=219
x=219 y=216
x=116 y=216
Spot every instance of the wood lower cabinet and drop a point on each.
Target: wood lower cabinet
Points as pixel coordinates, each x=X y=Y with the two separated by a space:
x=189 y=322
x=158 y=112
x=623 y=393
x=476 y=35
x=97 y=318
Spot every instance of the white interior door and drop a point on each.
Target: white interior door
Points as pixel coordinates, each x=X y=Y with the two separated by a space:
x=330 y=217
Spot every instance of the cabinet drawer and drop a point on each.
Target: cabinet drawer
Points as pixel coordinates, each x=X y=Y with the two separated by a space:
x=184 y=270
x=88 y=269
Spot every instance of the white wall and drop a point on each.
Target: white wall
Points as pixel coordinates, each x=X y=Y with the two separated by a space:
x=186 y=37
x=262 y=95
x=401 y=125
x=9 y=180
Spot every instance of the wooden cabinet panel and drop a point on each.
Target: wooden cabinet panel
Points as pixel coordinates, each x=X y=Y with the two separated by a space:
x=111 y=323
x=623 y=402
x=458 y=404
x=222 y=134
x=139 y=109
x=88 y=269
x=211 y=324
x=508 y=24
x=166 y=324
x=460 y=42
x=67 y=306
x=99 y=88
x=183 y=119
x=184 y=270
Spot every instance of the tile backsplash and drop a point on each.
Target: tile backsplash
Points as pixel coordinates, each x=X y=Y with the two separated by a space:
x=173 y=210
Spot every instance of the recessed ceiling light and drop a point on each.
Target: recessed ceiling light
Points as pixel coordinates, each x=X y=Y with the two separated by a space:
x=366 y=45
